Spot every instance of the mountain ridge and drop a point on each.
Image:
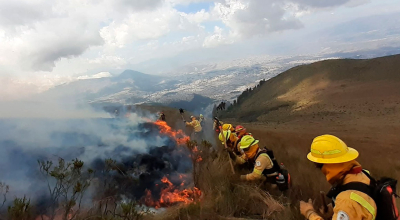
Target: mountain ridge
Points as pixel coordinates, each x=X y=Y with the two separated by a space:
x=336 y=86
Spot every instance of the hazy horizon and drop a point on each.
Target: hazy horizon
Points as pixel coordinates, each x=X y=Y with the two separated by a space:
x=50 y=43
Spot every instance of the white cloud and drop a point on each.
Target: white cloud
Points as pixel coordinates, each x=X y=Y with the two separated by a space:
x=198 y=17
x=39 y=33
x=46 y=42
x=217 y=38
x=138 y=5
x=96 y=76
x=38 y=44
x=23 y=12
x=141 y=26
x=150 y=25
x=249 y=18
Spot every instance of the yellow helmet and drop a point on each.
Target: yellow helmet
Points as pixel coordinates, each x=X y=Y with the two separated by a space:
x=226 y=127
x=330 y=149
x=227 y=134
x=247 y=141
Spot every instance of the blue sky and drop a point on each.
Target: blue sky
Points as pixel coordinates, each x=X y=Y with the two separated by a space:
x=54 y=42
x=194 y=7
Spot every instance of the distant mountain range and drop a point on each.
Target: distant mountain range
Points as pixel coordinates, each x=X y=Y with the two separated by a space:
x=194 y=87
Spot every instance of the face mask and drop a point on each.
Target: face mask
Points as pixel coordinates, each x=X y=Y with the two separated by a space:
x=252 y=151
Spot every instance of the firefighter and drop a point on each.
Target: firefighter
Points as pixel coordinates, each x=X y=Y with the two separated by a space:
x=264 y=167
x=162 y=116
x=241 y=131
x=230 y=139
x=197 y=129
x=217 y=124
x=337 y=162
x=229 y=127
x=202 y=120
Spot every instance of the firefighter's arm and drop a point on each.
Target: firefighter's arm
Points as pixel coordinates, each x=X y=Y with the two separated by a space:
x=314 y=216
x=189 y=123
x=345 y=208
x=241 y=159
x=307 y=210
x=261 y=164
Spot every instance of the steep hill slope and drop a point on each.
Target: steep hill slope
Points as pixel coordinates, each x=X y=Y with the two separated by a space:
x=356 y=100
x=326 y=89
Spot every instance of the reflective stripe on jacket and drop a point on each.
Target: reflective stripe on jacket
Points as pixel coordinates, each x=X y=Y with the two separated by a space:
x=352 y=204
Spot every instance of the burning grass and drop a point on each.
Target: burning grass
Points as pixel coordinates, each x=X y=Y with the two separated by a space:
x=179 y=136
x=171 y=195
x=191 y=181
x=223 y=195
x=120 y=188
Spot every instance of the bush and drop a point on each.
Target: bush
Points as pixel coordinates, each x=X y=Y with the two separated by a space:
x=71 y=183
x=20 y=210
x=4 y=189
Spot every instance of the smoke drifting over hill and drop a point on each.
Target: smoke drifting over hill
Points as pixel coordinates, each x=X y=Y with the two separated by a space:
x=141 y=152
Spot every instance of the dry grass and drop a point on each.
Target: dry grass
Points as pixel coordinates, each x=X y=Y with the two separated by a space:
x=224 y=197
x=227 y=198
x=356 y=100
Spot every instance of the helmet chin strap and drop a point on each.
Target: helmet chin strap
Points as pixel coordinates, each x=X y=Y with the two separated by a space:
x=252 y=143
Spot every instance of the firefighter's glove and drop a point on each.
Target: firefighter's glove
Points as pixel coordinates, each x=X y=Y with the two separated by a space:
x=329 y=213
x=306 y=208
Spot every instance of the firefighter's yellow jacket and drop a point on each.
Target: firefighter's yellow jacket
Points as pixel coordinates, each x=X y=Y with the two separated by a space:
x=262 y=162
x=195 y=124
x=350 y=204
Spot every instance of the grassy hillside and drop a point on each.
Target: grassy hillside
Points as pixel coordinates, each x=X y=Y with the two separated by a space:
x=356 y=100
x=349 y=88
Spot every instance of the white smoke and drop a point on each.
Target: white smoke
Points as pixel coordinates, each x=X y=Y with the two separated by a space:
x=40 y=132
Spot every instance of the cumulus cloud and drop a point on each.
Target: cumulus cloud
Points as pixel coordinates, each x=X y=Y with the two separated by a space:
x=320 y=4
x=43 y=48
x=138 y=5
x=38 y=44
x=250 y=18
x=217 y=38
x=39 y=32
x=140 y=26
x=62 y=36
x=198 y=17
x=51 y=30
x=23 y=12
x=150 y=25
x=96 y=76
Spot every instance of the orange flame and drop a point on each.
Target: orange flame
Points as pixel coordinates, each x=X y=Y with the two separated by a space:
x=196 y=153
x=171 y=196
x=179 y=136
